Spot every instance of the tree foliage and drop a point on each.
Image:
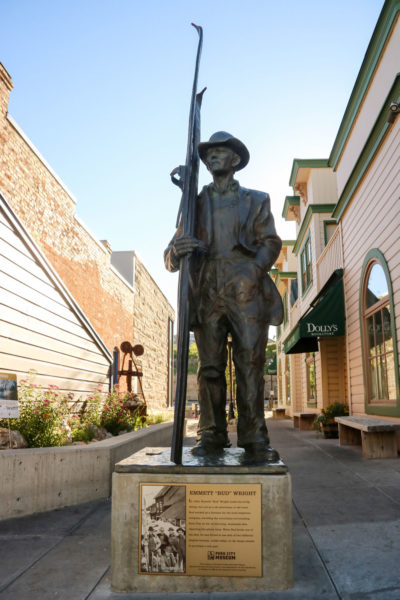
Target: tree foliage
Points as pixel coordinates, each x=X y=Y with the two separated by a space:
x=270 y=355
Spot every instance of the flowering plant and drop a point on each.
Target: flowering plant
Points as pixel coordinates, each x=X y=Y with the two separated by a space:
x=335 y=409
x=86 y=423
x=41 y=415
x=122 y=412
x=49 y=417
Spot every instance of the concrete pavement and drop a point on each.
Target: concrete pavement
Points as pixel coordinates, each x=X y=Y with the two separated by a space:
x=346 y=524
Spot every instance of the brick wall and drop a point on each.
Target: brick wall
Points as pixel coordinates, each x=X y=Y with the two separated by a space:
x=47 y=209
x=48 y=212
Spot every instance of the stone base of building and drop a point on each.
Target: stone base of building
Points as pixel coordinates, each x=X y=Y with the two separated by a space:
x=229 y=488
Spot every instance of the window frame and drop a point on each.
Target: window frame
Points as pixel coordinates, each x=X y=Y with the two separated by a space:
x=310 y=362
x=390 y=408
x=292 y=292
x=326 y=223
x=279 y=381
x=288 y=388
x=285 y=308
x=306 y=275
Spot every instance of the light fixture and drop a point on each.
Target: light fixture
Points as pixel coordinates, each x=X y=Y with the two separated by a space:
x=394 y=110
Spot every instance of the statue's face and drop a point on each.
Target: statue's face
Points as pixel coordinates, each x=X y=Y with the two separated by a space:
x=221 y=159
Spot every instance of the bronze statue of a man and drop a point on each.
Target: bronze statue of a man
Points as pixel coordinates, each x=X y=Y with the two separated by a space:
x=234 y=247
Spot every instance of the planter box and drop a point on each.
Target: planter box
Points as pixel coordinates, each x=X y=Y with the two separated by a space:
x=330 y=431
x=39 y=479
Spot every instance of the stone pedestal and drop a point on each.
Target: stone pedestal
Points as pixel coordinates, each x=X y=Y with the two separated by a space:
x=223 y=478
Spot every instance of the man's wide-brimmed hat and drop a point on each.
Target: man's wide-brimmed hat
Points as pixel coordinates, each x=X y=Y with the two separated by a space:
x=222 y=138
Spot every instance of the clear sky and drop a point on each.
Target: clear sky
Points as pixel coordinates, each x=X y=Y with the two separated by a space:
x=102 y=88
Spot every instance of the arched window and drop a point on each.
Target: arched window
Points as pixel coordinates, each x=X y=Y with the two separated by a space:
x=379 y=337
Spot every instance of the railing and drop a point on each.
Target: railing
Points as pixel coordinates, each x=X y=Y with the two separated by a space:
x=330 y=259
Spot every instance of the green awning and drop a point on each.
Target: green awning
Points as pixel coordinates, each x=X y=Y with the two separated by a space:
x=325 y=318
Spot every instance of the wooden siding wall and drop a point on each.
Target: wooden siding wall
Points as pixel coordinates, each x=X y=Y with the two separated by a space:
x=333 y=366
x=331 y=375
x=379 y=86
x=297 y=363
x=321 y=187
x=318 y=378
x=371 y=221
x=39 y=330
x=298 y=387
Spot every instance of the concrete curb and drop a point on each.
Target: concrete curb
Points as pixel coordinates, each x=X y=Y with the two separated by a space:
x=40 y=479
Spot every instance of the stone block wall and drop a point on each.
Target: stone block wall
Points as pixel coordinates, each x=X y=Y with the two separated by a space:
x=191 y=394
x=152 y=311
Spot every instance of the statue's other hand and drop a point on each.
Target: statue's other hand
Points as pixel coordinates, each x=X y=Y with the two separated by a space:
x=186 y=245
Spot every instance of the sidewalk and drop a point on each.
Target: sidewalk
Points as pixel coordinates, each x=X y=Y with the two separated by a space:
x=346 y=525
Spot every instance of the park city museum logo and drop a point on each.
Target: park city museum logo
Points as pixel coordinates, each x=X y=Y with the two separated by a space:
x=211 y=555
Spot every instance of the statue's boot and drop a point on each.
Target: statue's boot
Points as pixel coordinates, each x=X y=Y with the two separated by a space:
x=260 y=451
x=211 y=443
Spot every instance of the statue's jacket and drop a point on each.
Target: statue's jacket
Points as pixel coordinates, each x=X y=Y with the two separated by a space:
x=257 y=240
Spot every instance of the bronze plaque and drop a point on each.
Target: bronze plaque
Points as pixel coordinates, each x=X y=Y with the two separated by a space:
x=201 y=529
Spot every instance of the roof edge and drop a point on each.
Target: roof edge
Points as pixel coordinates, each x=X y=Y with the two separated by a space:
x=372 y=55
x=306 y=163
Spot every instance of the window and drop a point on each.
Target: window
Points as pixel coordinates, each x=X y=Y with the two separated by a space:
x=379 y=348
x=279 y=373
x=329 y=229
x=306 y=266
x=285 y=309
x=287 y=380
x=311 y=379
x=294 y=292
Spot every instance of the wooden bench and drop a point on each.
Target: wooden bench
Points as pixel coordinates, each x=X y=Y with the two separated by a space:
x=278 y=413
x=377 y=437
x=304 y=420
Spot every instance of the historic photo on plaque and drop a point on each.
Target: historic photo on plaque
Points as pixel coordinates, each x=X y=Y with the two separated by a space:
x=201 y=529
x=163 y=529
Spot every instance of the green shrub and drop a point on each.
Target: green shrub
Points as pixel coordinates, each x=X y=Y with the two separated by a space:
x=47 y=419
x=81 y=432
x=335 y=409
x=42 y=415
x=90 y=411
x=122 y=412
x=156 y=417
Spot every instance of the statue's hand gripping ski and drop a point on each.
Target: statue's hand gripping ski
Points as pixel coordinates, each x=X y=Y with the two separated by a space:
x=234 y=247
